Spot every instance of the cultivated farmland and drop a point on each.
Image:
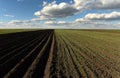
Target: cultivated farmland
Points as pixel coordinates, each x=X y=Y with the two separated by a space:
x=60 y=54
x=6 y=31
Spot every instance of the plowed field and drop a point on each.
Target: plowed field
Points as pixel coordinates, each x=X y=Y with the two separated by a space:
x=60 y=54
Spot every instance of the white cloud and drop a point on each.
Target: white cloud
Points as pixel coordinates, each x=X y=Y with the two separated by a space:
x=20 y=24
x=53 y=10
x=63 y=10
x=15 y=22
x=44 y=3
x=81 y=4
x=98 y=4
x=8 y=15
x=60 y=24
x=1 y=22
x=36 y=19
x=19 y=21
x=56 y=23
x=103 y=16
x=50 y=22
x=106 y=4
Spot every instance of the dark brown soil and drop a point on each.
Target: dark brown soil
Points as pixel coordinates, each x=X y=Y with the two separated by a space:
x=25 y=54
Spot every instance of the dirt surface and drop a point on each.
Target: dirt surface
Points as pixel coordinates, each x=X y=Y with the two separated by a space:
x=25 y=55
x=60 y=54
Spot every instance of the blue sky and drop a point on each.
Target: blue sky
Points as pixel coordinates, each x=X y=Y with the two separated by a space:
x=21 y=10
x=60 y=13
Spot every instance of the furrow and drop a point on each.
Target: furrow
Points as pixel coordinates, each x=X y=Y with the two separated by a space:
x=25 y=62
x=36 y=69
x=18 y=50
x=48 y=65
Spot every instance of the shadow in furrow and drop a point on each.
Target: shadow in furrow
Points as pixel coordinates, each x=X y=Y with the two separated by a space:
x=40 y=67
x=22 y=68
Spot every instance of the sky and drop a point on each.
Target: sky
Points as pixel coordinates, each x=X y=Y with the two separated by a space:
x=75 y=14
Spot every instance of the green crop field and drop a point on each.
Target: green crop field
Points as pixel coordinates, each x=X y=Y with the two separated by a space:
x=88 y=53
